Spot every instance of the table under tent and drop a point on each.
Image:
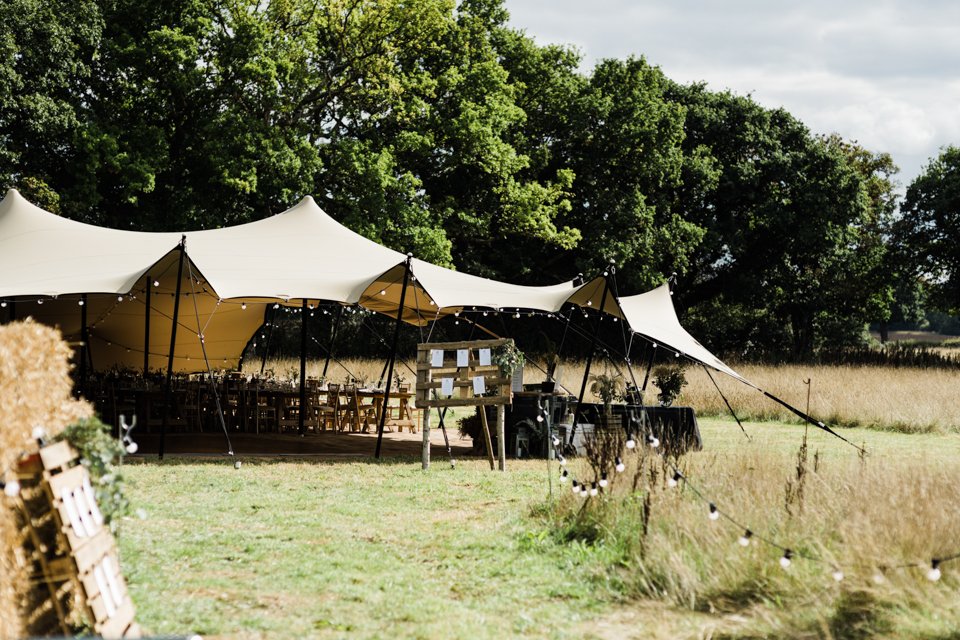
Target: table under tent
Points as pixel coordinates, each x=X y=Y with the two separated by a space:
x=173 y=304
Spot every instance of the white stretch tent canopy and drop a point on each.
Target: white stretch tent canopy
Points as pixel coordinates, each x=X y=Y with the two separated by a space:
x=300 y=254
x=653 y=315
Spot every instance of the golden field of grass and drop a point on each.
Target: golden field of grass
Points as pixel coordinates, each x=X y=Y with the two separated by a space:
x=879 y=520
x=908 y=400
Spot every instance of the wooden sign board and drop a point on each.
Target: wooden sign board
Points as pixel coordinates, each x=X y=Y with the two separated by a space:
x=89 y=550
x=462 y=364
x=463 y=374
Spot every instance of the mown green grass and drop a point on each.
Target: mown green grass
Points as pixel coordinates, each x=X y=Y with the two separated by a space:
x=360 y=549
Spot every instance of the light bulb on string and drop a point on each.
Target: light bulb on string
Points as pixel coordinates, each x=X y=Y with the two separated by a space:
x=744 y=540
x=276 y=305
x=119 y=298
x=243 y=305
x=603 y=479
x=156 y=283
x=562 y=461
x=383 y=292
x=837 y=575
x=653 y=441
x=3 y=304
x=40 y=300
x=539 y=418
x=786 y=558
x=593 y=490
x=132 y=447
x=714 y=513
x=11 y=489
x=564 y=476
x=675 y=479
x=934 y=573
x=575 y=487
x=80 y=302
x=631 y=443
x=556 y=441
x=619 y=465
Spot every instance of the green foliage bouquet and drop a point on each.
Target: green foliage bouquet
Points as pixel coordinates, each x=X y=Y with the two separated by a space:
x=670 y=380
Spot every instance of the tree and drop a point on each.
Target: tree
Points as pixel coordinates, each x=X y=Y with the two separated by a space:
x=793 y=230
x=928 y=230
x=46 y=54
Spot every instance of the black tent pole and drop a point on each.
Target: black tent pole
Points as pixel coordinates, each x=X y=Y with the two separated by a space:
x=725 y=401
x=173 y=344
x=146 y=330
x=266 y=347
x=301 y=414
x=393 y=355
x=333 y=340
x=84 y=342
x=593 y=346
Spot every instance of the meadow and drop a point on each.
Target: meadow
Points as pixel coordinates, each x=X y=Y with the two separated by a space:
x=363 y=549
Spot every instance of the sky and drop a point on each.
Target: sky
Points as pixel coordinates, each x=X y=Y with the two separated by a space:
x=884 y=73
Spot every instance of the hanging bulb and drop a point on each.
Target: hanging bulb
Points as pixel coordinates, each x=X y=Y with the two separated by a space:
x=563 y=476
x=39 y=434
x=653 y=441
x=575 y=487
x=383 y=292
x=276 y=305
x=675 y=479
x=539 y=418
x=593 y=490
x=243 y=305
x=620 y=466
x=785 y=559
x=119 y=298
x=40 y=301
x=589 y=303
x=456 y=313
x=3 y=304
x=837 y=575
x=556 y=441
x=934 y=573
x=80 y=302
x=714 y=514
x=516 y=315
x=132 y=447
x=562 y=461
x=744 y=540
x=156 y=283
x=631 y=443
x=603 y=479
x=11 y=489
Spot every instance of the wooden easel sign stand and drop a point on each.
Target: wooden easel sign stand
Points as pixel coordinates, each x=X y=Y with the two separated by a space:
x=464 y=374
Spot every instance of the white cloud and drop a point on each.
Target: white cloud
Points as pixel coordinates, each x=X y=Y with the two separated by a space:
x=885 y=72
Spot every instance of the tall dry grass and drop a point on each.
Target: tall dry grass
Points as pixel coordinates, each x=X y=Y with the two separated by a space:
x=879 y=521
x=906 y=400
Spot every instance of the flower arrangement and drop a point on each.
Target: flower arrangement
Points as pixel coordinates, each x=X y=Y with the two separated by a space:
x=508 y=358
x=609 y=387
x=670 y=380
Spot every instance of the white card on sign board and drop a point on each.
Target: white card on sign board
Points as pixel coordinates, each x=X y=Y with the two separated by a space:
x=436 y=358
x=485 y=357
x=463 y=357
x=446 y=386
x=479 y=386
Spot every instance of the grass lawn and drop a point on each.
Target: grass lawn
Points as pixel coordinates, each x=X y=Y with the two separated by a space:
x=328 y=549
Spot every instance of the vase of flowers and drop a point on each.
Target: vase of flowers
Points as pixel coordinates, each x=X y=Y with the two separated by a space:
x=670 y=380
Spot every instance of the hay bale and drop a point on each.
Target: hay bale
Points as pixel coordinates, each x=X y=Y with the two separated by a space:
x=35 y=390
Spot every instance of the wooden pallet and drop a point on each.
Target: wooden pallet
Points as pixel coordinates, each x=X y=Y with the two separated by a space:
x=83 y=556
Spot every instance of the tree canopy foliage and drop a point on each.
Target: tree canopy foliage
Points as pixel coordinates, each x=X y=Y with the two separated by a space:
x=433 y=127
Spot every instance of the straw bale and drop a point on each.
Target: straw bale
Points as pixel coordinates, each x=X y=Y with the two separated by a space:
x=35 y=390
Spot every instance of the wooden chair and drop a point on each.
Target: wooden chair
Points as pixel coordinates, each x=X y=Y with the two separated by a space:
x=328 y=413
x=355 y=416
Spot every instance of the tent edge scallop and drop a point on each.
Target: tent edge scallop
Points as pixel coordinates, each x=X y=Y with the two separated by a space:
x=86 y=258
